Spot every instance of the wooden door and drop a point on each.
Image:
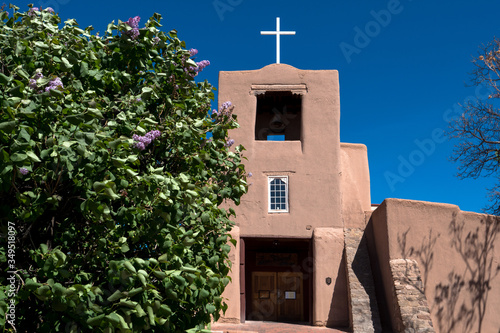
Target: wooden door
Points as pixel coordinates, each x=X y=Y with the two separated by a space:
x=290 y=297
x=277 y=296
x=264 y=296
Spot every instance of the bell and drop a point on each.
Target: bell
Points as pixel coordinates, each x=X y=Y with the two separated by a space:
x=277 y=125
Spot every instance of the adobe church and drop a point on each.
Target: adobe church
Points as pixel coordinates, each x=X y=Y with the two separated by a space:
x=311 y=249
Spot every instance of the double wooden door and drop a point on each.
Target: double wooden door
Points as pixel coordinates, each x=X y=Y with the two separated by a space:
x=277 y=296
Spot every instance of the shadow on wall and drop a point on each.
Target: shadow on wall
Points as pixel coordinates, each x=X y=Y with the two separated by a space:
x=339 y=314
x=424 y=253
x=461 y=300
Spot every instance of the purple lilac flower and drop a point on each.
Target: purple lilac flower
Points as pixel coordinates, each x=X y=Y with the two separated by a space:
x=225 y=112
x=50 y=10
x=229 y=143
x=33 y=81
x=23 y=171
x=250 y=174
x=32 y=84
x=156 y=40
x=142 y=141
x=138 y=99
x=225 y=105
x=134 y=33
x=193 y=52
x=139 y=145
x=32 y=11
x=54 y=83
x=133 y=22
x=201 y=65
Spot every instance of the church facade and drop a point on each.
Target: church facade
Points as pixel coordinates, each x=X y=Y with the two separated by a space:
x=310 y=247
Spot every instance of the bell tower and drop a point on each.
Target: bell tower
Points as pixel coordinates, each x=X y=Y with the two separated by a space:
x=289 y=124
x=306 y=187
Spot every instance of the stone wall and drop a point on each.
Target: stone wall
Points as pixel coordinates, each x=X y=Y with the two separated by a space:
x=364 y=314
x=409 y=298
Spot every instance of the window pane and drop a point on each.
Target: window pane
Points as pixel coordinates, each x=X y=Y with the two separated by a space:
x=278 y=193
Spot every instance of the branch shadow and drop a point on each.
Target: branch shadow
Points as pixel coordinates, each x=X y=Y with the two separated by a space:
x=460 y=300
x=424 y=253
x=463 y=298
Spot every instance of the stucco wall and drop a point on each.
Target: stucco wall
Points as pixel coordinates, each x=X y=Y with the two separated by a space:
x=355 y=184
x=329 y=300
x=458 y=254
x=231 y=294
x=312 y=164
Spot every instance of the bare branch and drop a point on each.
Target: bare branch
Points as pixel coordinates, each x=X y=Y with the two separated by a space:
x=478 y=128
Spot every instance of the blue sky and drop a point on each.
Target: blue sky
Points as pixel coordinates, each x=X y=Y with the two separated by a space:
x=403 y=69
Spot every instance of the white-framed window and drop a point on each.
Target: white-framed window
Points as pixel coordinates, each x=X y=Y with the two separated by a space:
x=278 y=194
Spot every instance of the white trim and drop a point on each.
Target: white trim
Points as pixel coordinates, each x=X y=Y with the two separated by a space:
x=281 y=195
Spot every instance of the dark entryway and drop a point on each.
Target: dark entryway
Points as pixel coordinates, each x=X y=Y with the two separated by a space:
x=277 y=283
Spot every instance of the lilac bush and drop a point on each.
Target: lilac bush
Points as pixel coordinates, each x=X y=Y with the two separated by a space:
x=111 y=180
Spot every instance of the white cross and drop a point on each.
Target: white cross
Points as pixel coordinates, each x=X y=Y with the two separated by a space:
x=277 y=33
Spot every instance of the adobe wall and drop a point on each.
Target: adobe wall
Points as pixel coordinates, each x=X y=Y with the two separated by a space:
x=312 y=164
x=355 y=184
x=458 y=254
x=330 y=305
x=231 y=294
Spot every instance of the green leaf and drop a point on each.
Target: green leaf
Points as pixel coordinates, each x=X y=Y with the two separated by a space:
x=66 y=64
x=163 y=258
x=160 y=275
x=33 y=156
x=116 y=295
x=129 y=267
x=84 y=69
x=41 y=45
x=146 y=92
x=124 y=248
x=56 y=92
x=5 y=79
x=67 y=144
x=96 y=113
x=210 y=308
x=151 y=315
x=95 y=321
x=135 y=291
x=31 y=284
x=122 y=116
x=77 y=84
x=7 y=126
x=58 y=289
x=18 y=157
x=203 y=294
